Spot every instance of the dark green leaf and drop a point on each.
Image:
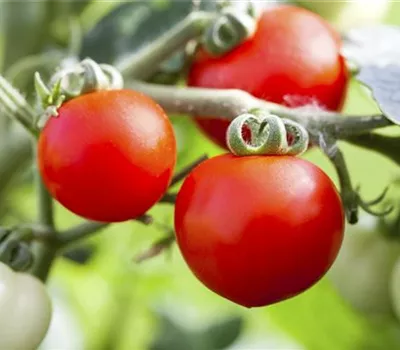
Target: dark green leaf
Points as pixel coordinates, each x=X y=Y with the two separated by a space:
x=80 y=255
x=384 y=82
x=388 y=146
x=131 y=25
x=223 y=334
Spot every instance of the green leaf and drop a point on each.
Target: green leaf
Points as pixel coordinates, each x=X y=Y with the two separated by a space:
x=130 y=26
x=223 y=334
x=384 y=82
x=172 y=337
x=320 y=320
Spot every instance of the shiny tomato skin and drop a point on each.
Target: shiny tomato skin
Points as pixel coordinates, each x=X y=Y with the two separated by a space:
x=109 y=155
x=260 y=229
x=293 y=59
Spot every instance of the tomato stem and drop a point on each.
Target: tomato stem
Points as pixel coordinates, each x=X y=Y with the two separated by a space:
x=229 y=103
x=45 y=202
x=348 y=194
x=144 y=63
x=44 y=251
x=169 y=198
x=178 y=177
x=80 y=231
x=155 y=249
x=88 y=228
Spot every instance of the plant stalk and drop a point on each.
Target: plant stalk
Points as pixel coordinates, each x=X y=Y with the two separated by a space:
x=45 y=251
x=230 y=103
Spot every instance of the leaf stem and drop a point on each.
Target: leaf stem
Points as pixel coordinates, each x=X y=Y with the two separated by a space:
x=144 y=63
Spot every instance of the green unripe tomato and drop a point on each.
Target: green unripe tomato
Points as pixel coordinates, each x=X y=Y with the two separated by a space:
x=362 y=272
x=345 y=15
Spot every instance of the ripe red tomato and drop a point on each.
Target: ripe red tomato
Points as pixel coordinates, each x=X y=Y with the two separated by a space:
x=109 y=155
x=293 y=59
x=258 y=229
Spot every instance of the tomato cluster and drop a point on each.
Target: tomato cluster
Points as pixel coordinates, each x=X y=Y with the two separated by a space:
x=255 y=229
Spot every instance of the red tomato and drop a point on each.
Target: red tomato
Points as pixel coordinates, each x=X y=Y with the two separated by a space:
x=258 y=229
x=293 y=59
x=109 y=155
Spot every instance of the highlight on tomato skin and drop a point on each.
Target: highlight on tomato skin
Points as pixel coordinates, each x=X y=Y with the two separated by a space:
x=293 y=59
x=109 y=156
x=259 y=229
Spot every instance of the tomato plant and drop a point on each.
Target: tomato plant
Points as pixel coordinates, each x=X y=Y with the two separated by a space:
x=25 y=310
x=361 y=273
x=250 y=228
x=256 y=227
x=293 y=58
x=109 y=155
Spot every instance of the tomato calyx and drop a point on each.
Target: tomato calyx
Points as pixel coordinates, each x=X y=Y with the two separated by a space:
x=230 y=28
x=269 y=135
x=74 y=80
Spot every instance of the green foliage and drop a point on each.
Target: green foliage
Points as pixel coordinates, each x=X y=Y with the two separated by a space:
x=23 y=35
x=127 y=28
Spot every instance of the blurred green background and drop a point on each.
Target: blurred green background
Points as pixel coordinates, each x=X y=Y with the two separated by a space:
x=109 y=302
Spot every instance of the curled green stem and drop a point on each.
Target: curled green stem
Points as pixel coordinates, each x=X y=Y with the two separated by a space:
x=229 y=29
x=269 y=135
